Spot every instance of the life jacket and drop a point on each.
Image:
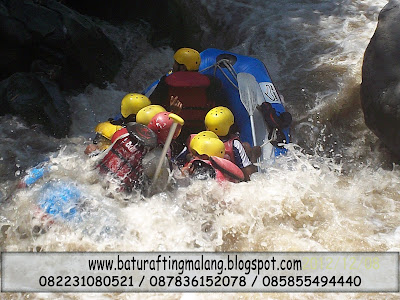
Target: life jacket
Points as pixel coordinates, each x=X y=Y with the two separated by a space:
x=189 y=139
x=124 y=160
x=229 y=154
x=191 y=89
x=221 y=169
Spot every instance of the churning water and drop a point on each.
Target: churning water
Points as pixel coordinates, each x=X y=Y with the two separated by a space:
x=336 y=190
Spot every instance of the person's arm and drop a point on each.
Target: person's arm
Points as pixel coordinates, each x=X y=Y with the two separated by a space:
x=247 y=171
x=175 y=106
x=252 y=152
x=91 y=148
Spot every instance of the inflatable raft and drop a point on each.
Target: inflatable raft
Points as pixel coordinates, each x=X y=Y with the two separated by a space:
x=238 y=73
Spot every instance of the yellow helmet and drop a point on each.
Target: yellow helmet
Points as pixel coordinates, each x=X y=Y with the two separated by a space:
x=219 y=120
x=194 y=137
x=132 y=103
x=188 y=57
x=107 y=129
x=207 y=133
x=145 y=115
x=210 y=146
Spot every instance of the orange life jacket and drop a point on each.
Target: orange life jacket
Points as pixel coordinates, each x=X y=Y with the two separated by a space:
x=191 y=89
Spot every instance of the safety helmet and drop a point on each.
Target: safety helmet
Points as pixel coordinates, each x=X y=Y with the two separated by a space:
x=210 y=146
x=219 y=120
x=132 y=103
x=188 y=57
x=145 y=115
x=161 y=124
x=199 y=136
x=207 y=133
x=107 y=129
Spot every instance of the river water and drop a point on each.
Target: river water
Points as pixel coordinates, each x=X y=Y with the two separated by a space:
x=336 y=190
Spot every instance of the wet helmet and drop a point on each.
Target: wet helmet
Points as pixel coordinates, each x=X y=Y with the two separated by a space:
x=145 y=115
x=106 y=129
x=207 y=133
x=219 y=120
x=199 y=136
x=188 y=57
x=132 y=103
x=209 y=146
x=104 y=132
x=162 y=122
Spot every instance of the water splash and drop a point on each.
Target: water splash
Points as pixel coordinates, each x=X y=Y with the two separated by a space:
x=335 y=191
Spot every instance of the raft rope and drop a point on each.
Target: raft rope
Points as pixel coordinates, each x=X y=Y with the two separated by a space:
x=228 y=66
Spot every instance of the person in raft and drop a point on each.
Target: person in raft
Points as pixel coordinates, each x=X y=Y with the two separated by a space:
x=160 y=125
x=198 y=93
x=102 y=140
x=208 y=160
x=132 y=146
x=220 y=120
x=130 y=105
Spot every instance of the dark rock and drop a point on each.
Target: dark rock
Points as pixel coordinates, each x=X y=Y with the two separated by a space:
x=47 y=30
x=37 y=100
x=380 y=88
x=154 y=12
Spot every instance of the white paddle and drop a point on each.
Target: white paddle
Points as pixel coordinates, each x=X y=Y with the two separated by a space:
x=177 y=120
x=248 y=87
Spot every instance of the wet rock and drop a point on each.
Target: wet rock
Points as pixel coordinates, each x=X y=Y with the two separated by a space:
x=47 y=30
x=380 y=88
x=154 y=12
x=37 y=100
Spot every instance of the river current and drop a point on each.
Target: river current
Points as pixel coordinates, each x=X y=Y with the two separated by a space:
x=336 y=190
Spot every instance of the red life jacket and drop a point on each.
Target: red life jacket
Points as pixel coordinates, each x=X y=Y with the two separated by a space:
x=189 y=139
x=229 y=149
x=124 y=160
x=191 y=89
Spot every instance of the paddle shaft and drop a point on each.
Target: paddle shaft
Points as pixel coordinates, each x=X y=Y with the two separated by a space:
x=253 y=130
x=165 y=150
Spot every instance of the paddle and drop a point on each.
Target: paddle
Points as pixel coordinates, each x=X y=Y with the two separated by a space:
x=177 y=120
x=249 y=92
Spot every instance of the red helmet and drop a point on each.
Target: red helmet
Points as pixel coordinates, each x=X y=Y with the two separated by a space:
x=160 y=124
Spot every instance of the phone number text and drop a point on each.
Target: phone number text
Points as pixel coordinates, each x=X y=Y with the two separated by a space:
x=200 y=281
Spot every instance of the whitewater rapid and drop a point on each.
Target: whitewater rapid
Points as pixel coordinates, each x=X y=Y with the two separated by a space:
x=336 y=190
